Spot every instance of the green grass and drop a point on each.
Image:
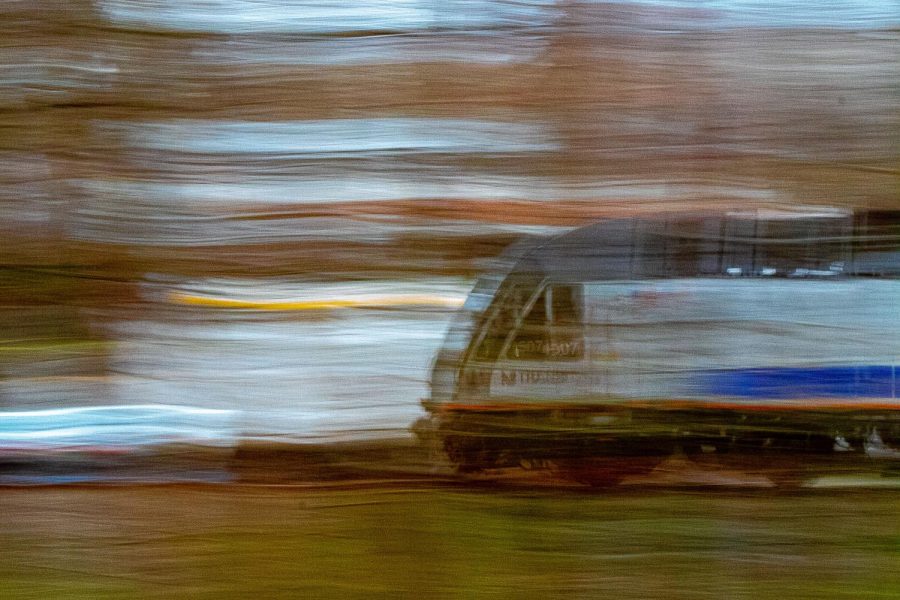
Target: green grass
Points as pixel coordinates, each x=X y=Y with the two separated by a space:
x=242 y=542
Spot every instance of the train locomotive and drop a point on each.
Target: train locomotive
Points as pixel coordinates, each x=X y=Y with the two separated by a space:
x=751 y=334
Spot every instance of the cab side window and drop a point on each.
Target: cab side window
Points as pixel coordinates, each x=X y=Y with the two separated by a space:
x=565 y=305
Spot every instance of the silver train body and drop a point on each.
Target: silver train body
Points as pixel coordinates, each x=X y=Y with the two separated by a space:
x=758 y=332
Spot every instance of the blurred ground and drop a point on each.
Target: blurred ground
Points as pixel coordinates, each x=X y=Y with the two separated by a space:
x=445 y=542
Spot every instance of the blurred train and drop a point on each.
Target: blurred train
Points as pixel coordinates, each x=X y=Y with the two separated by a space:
x=750 y=334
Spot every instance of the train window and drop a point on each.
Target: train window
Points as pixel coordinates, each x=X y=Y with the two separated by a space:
x=551 y=330
x=537 y=315
x=564 y=305
x=531 y=337
x=504 y=320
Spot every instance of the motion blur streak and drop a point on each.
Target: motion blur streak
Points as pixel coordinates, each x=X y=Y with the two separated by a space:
x=148 y=145
x=230 y=543
x=340 y=138
x=327 y=16
x=235 y=236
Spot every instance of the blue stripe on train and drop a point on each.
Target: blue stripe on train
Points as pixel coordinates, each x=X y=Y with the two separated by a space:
x=871 y=381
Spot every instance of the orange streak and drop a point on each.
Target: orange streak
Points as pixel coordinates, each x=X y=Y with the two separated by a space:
x=811 y=405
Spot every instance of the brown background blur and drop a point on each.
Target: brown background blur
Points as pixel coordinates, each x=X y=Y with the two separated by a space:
x=138 y=144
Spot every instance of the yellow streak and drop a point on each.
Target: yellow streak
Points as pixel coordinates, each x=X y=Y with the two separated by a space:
x=320 y=304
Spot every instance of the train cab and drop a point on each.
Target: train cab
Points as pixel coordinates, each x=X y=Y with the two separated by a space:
x=748 y=330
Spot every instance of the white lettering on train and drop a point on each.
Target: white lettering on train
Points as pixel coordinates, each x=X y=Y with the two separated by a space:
x=533 y=377
x=531 y=348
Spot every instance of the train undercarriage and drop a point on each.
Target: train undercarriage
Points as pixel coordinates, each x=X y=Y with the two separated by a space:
x=603 y=447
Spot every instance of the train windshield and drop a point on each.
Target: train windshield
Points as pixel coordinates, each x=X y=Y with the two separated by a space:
x=551 y=327
x=506 y=315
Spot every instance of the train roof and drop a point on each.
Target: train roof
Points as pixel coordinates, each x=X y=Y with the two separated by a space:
x=766 y=243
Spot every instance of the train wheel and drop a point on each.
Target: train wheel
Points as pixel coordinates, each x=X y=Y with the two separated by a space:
x=476 y=453
x=466 y=453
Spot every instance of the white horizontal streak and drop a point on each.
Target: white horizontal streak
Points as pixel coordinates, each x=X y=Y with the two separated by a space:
x=329 y=136
x=326 y=16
